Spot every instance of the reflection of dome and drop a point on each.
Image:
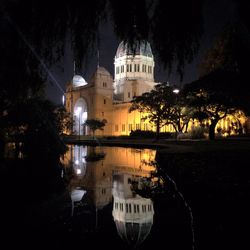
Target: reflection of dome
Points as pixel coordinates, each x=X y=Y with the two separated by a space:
x=77 y=195
x=133 y=214
x=139 y=48
x=78 y=81
x=133 y=233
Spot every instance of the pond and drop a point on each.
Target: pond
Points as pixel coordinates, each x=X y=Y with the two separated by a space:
x=115 y=197
x=119 y=198
x=127 y=198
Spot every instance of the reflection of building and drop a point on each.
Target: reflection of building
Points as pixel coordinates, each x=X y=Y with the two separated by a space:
x=79 y=161
x=133 y=214
x=109 y=99
x=76 y=196
x=96 y=176
x=92 y=191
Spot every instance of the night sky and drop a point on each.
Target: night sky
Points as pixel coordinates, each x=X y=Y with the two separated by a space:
x=216 y=15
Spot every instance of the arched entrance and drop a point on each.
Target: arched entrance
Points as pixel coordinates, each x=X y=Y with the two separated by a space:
x=80 y=116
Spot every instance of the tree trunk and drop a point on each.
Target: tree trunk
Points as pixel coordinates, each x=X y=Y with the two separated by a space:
x=212 y=129
x=185 y=128
x=157 y=130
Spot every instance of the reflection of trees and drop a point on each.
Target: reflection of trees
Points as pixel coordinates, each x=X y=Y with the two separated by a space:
x=94 y=156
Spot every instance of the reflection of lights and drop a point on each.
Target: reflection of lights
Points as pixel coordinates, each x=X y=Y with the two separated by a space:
x=78 y=171
x=76 y=162
x=83 y=160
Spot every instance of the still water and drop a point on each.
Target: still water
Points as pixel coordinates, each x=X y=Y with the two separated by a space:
x=115 y=198
x=119 y=199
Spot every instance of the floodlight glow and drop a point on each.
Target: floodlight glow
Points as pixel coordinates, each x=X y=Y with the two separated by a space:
x=84 y=116
x=176 y=91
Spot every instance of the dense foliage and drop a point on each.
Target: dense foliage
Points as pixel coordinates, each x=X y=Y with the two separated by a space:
x=162 y=106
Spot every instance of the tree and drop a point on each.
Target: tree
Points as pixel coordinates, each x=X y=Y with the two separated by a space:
x=211 y=98
x=174 y=32
x=64 y=120
x=34 y=124
x=162 y=106
x=95 y=124
x=27 y=53
x=222 y=88
x=229 y=55
x=179 y=114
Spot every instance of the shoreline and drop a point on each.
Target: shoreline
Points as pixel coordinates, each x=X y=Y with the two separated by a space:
x=167 y=145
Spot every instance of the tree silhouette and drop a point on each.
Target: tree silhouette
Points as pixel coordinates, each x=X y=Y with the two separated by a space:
x=222 y=88
x=161 y=107
x=95 y=124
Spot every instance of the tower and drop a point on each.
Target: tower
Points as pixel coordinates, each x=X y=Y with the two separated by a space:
x=91 y=100
x=134 y=71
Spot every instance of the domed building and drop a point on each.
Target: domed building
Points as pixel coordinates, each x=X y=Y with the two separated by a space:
x=107 y=98
x=134 y=71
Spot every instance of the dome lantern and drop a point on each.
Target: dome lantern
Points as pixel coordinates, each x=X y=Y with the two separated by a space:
x=140 y=48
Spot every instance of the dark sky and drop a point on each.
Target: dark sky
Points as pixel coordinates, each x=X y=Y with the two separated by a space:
x=216 y=15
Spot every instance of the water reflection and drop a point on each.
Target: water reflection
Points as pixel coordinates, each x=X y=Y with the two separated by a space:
x=105 y=176
x=133 y=214
x=76 y=196
x=78 y=160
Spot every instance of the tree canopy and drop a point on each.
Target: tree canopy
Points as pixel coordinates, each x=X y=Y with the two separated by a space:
x=95 y=124
x=223 y=88
x=162 y=107
x=172 y=27
x=211 y=99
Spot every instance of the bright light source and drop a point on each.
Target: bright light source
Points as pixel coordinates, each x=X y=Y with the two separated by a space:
x=63 y=100
x=84 y=116
x=176 y=91
x=78 y=171
x=76 y=162
x=78 y=111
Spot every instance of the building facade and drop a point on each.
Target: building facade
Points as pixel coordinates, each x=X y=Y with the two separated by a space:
x=107 y=98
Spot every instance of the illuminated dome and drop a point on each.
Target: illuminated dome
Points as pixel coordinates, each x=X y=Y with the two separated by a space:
x=133 y=63
x=140 y=48
x=78 y=81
